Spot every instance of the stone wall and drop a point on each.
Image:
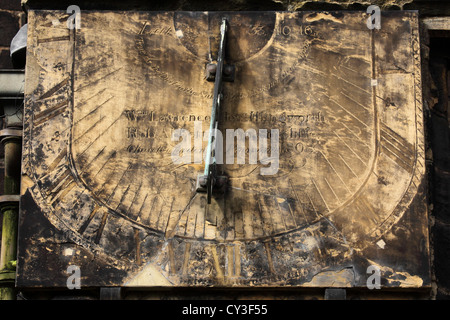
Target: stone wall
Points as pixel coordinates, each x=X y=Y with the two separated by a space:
x=12 y=18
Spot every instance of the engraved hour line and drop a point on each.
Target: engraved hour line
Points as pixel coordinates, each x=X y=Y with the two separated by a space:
x=118 y=183
x=135 y=197
x=310 y=68
x=94 y=110
x=60 y=177
x=361 y=201
x=286 y=227
x=142 y=206
x=172 y=227
x=82 y=103
x=98 y=137
x=112 y=155
x=186 y=224
x=355 y=71
x=350 y=98
x=267 y=227
x=313 y=206
x=89 y=164
x=329 y=186
x=350 y=113
x=356 y=136
x=159 y=220
x=91 y=112
x=199 y=223
x=351 y=83
x=320 y=193
x=402 y=150
x=292 y=213
x=123 y=197
x=155 y=199
x=90 y=128
x=90 y=84
x=298 y=200
x=351 y=149
x=346 y=164
x=57 y=160
x=332 y=167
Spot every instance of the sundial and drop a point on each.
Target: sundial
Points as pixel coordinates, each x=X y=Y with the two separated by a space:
x=319 y=171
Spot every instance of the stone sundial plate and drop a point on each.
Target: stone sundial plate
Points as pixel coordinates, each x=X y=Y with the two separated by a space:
x=101 y=191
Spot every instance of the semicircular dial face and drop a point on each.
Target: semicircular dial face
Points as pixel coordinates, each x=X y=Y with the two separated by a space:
x=306 y=143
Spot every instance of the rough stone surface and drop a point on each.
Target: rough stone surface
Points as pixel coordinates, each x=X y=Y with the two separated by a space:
x=98 y=171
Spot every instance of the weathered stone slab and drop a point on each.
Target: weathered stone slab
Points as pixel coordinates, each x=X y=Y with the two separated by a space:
x=101 y=190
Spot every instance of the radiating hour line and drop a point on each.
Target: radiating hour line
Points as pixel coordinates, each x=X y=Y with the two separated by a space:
x=298 y=200
x=280 y=213
x=313 y=206
x=350 y=113
x=142 y=206
x=351 y=149
x=118 y=183
x=329 y=186
x=93 y=110
x=346 y=164
x=89 y=129
x=337 y=174
x=112 y=155
x=135 y=196
x=123 y=197
x=90 y=84
x=82 y=103
x=358 y=137
x=350 y=98
x=351 y=83
x=89 y=164
x=320 y=193
x=87 y=148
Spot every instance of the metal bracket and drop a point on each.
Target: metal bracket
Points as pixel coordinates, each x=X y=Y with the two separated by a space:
x=228 y=73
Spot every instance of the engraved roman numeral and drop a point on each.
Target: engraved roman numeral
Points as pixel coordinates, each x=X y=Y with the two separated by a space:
x=175 y=267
